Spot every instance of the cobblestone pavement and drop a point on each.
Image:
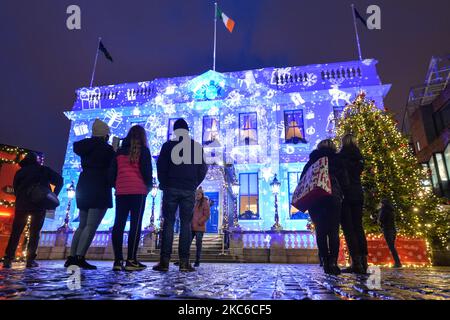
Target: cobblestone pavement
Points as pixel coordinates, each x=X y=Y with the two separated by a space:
x=222 y=281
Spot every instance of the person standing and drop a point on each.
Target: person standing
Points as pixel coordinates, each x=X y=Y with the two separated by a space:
x=202 y=212
x=352 y=206
x=30 y=174
x=93 y=191
x=131 y=174
x=386 y=219
x=181 y=169
x=326 y=212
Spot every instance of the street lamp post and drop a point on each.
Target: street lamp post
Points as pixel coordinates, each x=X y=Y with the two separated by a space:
x=235 y=186
x=153 y=193
x=70 y=195
x=275 y=185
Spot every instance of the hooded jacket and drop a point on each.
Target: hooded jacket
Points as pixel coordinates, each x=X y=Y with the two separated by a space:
x=201 y=215
x=93 y=189
x=131 y=178
x=354 y=165
x=338 y=174
x=31 y=173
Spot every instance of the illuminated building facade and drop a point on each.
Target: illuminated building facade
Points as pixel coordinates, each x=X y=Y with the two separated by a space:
x=261 y=122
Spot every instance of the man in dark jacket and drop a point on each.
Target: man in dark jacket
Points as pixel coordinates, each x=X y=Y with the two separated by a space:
x=326 y=212
x=386 y=219
x=30 y=174
x=181 y=169
x=352 y=206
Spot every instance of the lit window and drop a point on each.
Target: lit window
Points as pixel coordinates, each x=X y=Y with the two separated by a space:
x=447 y=158
x=441 y=167
x=248 y=196
x=434 y=177
x=294 y=126
x=248 y=129
x=293 y=179
x=211 y=128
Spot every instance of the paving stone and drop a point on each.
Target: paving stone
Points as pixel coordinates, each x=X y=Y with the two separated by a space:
x=222 y=281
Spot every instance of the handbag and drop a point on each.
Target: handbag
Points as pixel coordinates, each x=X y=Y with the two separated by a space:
x=315 y=184
x=41 y=195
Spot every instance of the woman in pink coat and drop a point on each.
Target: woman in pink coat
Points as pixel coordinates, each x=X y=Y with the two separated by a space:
x=199 y=219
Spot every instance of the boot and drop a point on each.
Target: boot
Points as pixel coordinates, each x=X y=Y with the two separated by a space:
x=321 y=261
x=118 y=265
x=364 y=263
x=83 y=264
x=31 y=264
x=162 y=266
x=326 y=265
x=71 y=261
x=334 y=268
x=197 y=263
x=134 y=265
x=185 y=266
x=7 y=263
x=356 y=266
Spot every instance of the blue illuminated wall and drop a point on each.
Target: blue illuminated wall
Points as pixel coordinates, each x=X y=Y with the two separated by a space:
x=319 y=91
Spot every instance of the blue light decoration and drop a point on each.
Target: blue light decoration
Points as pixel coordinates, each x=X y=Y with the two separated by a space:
x=319 y=91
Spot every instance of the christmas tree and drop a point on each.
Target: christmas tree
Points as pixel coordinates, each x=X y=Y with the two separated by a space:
x=392 y=172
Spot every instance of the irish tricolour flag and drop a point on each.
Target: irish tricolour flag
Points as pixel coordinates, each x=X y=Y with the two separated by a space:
x=228 y=22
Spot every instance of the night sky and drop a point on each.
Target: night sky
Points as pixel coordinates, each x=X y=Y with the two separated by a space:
x=42 y=63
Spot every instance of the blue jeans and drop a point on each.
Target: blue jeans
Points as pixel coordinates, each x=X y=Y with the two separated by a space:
x=183 y=200
x=198 y=243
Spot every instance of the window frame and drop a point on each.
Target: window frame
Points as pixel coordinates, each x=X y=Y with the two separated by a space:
x=299 y=173
x=301 y=126
x=203 y=128
x=248 y=195
x=241 y=129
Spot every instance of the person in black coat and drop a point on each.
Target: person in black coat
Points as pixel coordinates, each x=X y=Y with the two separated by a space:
x=386 y=219
x=30 y=174
x=352 y=206
x=93 y=191
x=181 y=169
x=326 y=212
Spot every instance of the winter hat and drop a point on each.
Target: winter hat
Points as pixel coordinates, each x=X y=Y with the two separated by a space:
x=30 y=159
x=100 y=129
x=180 y=124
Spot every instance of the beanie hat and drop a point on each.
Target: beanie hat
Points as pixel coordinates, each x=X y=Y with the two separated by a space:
x=180 y=124
x=100 y=129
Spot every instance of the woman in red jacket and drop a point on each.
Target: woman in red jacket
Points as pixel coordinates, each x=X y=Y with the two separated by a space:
x=201 y=216
x=131 y=175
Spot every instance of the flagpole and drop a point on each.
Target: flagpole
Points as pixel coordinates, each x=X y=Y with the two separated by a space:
x=215 y=35
x=356 y=32
x=95 y=62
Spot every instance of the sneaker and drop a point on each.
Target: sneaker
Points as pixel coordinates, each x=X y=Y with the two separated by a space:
x=134 y=266
x=186 y=267
x=32 y=264
x=71 y=261
x=83 y=264
x=162 y=266
x=7 y=263
x=118 y=265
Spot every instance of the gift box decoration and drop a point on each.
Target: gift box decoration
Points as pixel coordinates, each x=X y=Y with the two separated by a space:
x=113 y=118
